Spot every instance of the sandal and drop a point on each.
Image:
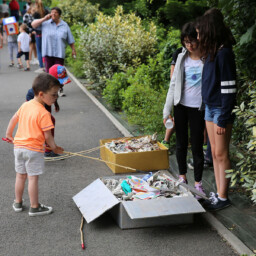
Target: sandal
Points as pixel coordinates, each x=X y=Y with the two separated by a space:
x=19 y=66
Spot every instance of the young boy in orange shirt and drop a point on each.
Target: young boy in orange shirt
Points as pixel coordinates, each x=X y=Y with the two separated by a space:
x=34 y=128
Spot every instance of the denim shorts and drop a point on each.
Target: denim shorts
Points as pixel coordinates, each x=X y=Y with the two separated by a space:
x=28 y=162
x=212 y=114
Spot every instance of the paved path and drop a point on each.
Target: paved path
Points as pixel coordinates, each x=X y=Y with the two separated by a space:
x=80 y=125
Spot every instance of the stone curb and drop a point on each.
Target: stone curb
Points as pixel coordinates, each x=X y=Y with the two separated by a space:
x=234 y=242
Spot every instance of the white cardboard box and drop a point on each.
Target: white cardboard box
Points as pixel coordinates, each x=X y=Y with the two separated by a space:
x=96 y=199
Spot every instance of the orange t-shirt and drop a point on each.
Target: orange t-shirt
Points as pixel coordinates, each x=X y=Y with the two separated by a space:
x=34 y=120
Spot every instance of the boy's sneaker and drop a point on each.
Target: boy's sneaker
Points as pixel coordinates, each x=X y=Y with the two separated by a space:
x=40 y=210
x=200 y=188
x=19 y=66
x=166 y=144
x=217 y=204
x=26 y=69
x=17 y=207
x=11 y=65
x=50 y=155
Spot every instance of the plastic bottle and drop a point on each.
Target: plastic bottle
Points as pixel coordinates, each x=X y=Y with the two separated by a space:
x=169 y=124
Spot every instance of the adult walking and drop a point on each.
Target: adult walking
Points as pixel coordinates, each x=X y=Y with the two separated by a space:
x=55 y=35
x=40 y=12
x=4 y=8
x=15 y=8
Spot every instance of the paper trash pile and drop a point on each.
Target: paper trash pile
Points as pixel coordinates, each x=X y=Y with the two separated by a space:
x=150 y=186
x=142 y=144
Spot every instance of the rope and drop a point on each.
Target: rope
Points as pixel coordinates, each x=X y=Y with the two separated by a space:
x=98 y=159
x=62 y=157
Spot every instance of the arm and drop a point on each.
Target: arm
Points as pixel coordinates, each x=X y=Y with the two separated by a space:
x=172 y=69
x=37 y=23
x=170 y=95
x=227 y=69
x=9 y=131
x=73 y=50
x=50 y=141
x=19 y=45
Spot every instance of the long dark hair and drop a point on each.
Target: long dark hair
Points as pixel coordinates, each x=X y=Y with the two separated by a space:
x=213 y=33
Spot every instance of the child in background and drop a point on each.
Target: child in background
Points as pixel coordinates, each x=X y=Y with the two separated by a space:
x=34 y=128
x=23 y=46
x=12 y=47
x=59 y=72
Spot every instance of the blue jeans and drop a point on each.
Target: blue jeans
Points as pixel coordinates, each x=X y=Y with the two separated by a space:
x=39 y=50
x=212 y=113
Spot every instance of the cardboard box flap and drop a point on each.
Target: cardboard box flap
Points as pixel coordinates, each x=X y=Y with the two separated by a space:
x=141 y=209
x=94 y=200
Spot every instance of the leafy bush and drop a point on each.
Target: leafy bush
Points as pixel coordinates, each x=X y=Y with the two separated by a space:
x=78 y=11
x=113 y=44
x=143 y=106
x=115 y=87
x=167 y=46
x=177 y=13
x=240 y=16
x=245 y=171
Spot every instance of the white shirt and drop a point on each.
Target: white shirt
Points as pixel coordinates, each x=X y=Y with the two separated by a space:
x=5 y=8
x=191 y=94
x=24 y=40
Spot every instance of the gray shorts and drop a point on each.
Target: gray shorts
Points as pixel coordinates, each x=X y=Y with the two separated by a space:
x=28 y=162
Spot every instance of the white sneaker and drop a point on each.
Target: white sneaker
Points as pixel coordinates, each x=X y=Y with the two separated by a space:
x=40 y=70
x=61 y=94
x=40 y=210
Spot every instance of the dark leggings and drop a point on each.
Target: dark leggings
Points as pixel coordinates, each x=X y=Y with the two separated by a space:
x=50 y=61
x=193 y=118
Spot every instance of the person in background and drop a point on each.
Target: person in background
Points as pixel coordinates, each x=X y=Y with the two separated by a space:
x=60 y=73
x=1 y=32
x=28 y=5
x=12 y=47
x=15 y=8
x=39 y=13
x=27 y=19
x=219 y=96
x=55 y=34
x=23 y=46
x=4 y=8
x=24 y=10
x=185 y=95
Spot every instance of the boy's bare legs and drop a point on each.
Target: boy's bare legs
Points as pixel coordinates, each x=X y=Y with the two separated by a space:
x=19 y=186
x=33 y=190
